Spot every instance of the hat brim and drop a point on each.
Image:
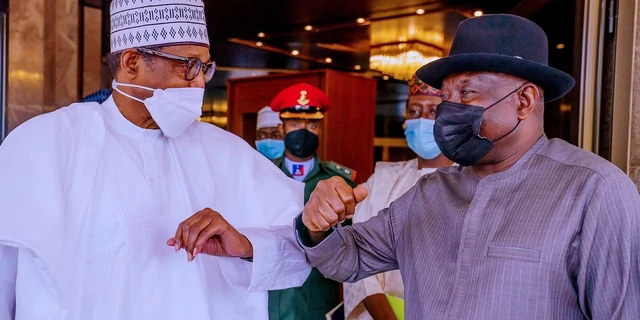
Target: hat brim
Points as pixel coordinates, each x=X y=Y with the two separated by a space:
x=301 y=115
x=554 y=82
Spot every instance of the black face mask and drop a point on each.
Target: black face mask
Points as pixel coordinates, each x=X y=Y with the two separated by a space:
x=457 y=131
x=301 y=143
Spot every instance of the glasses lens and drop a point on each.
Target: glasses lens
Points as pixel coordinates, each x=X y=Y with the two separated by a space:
x=193 y=68
x=209 y=70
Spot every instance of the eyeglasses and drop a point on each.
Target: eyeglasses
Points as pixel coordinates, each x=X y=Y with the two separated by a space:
x=192 y=65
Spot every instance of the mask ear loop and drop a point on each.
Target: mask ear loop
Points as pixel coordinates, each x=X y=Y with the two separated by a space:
x=494 y=104
x=510 y=93
x=116 y=84
x=508 y=133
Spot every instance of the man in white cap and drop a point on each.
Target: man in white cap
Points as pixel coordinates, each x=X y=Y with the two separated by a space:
x=269 y=139
x=95 y=198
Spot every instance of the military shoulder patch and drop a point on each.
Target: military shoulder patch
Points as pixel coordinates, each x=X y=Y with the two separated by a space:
x=340 y=170
x=278 y=161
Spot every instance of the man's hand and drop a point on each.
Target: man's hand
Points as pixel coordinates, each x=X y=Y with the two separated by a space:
x=209 y=233
x=332 y=202
x=379 y=307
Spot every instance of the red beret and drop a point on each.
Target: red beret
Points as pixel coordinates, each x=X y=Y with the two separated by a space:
x=301 y=101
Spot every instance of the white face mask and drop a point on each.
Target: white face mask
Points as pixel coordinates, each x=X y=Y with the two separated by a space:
x=173 y=109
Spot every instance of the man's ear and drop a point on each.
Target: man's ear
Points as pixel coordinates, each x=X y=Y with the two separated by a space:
x=130 y=63
x=528 y=98
x=281 y=129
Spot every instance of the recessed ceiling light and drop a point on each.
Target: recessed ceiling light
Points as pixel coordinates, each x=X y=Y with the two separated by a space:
x=560 y=46
x=308 y=27
x=385 y=77
x=357 y=67
x=328 y=60
x=420 y=11
x=259 y=44
x=361 y=20
x=261 y=35
x=295 y=52
x=478 y=13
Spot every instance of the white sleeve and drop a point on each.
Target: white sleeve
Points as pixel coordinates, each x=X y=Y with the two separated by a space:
x=355 y=293
x=8 y=266
x=267 y=201
x=278 y=261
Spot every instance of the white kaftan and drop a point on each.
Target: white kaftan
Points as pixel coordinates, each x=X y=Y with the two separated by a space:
x=88 y=201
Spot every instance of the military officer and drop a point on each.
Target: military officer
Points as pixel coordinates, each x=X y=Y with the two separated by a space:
x=302 y=109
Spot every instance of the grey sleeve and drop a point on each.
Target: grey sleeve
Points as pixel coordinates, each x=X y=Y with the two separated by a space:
x=355 y=252
x=609 y=276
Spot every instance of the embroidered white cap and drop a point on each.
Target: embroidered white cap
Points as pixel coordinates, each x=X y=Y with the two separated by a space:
x=150 y=23
x=268 y=118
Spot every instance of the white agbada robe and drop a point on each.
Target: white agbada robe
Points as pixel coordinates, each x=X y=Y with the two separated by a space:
x=88 y=201
x=389 y=181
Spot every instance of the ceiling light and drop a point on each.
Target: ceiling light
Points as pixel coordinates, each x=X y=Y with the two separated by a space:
x=361 y=20
x=308 y=28
x=328 y=60
x=357 y=67
x=478 y=13
x=385 y=77
x=259 y=44
x=560 y=46
x=402 y=61
x=420 y=11
x=295 y=52
x=261 y=35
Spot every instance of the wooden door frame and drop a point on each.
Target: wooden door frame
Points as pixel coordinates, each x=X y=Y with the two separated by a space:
x=4 y=52
x=623 y=76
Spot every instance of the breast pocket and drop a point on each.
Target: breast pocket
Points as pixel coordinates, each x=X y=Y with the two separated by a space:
x=514 y=253
x=103 y=247
x=107 y=248
x=104 y=273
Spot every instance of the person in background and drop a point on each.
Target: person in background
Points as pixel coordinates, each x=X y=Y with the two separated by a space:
x=525 y=228
x=302 y=108
x=370 y=298
x=99 y=96
x=269 y=138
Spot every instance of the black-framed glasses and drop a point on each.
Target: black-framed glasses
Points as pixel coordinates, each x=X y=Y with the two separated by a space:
x=193 y=66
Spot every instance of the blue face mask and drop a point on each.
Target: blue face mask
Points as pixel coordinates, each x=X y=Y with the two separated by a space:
x=419 y=133
x=270 y=148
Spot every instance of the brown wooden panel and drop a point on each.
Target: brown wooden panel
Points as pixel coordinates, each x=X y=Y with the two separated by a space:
x=351 y=122
x=249 y=121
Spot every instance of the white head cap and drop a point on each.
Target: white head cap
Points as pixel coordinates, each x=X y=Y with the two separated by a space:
x=151 y=23
x=268 y=118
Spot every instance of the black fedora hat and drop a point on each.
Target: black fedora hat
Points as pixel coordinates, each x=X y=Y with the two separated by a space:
x=500 y=43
